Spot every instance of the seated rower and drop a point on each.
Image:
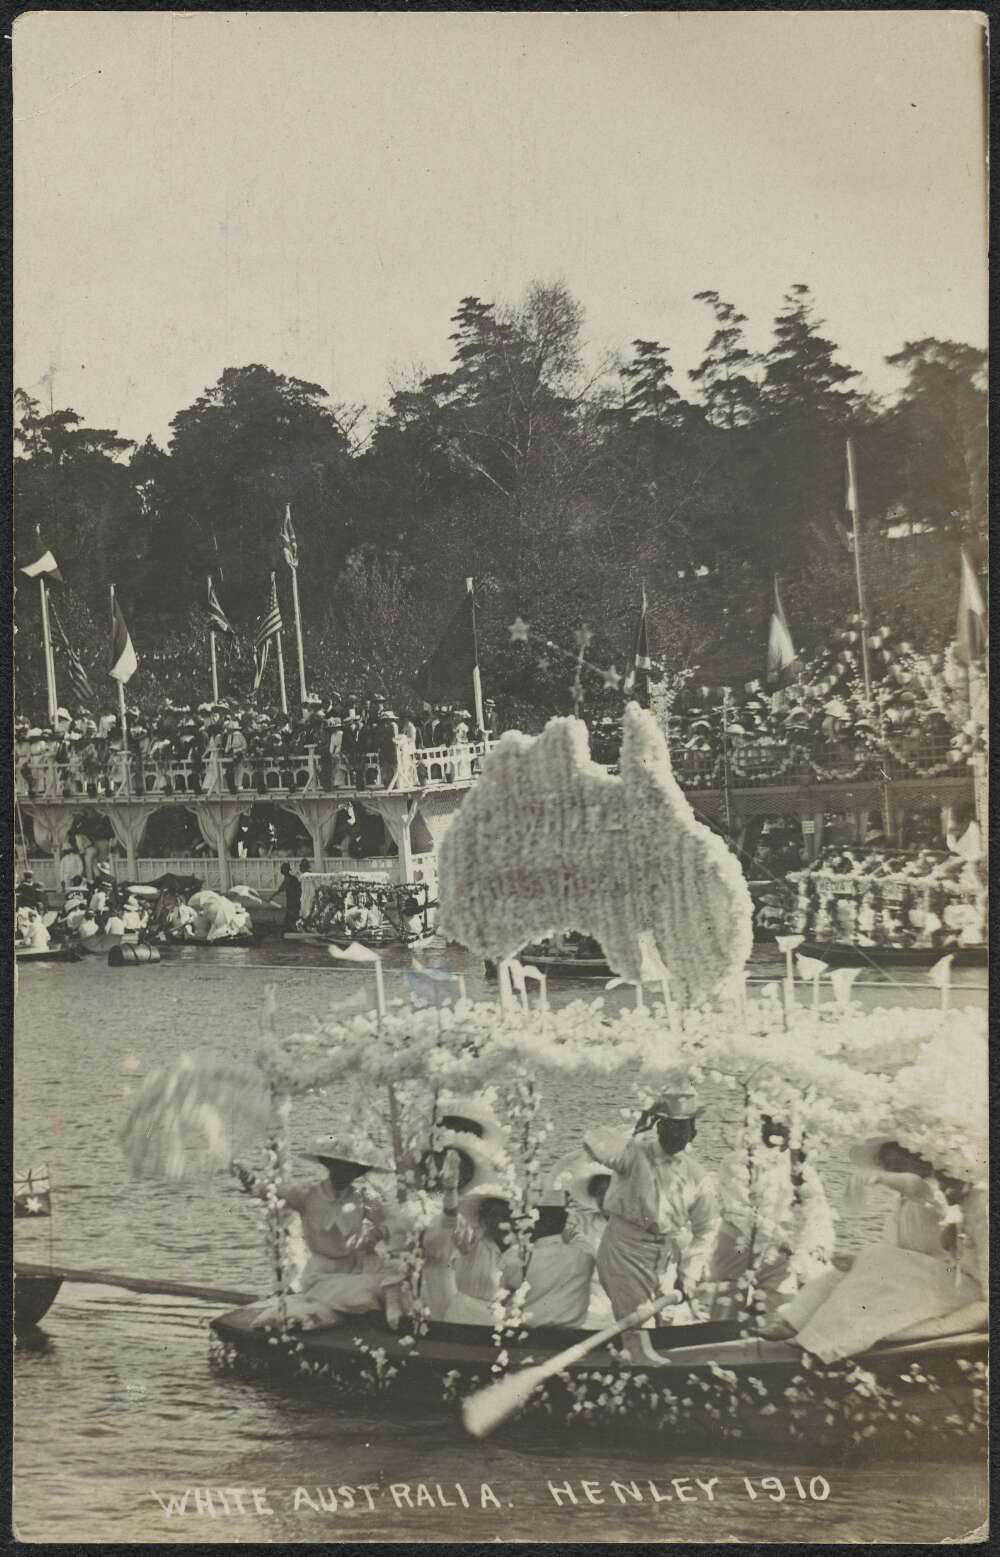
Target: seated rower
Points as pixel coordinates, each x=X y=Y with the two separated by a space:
x=463 y=1250
x=586 y=1185
x=343 y=1223
x=775 y=1219
x=926 y=1279
x=559 y=1271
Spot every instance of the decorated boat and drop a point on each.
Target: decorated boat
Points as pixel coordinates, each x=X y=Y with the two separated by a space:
x=223 y=942
x=539 y=839
x=891 y=907
x=559 y=965
x=376 y=914
x=714 y=1385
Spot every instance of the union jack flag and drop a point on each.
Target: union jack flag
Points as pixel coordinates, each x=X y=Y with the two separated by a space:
x=289 y=544
x=33 y=1194
x=218 y=619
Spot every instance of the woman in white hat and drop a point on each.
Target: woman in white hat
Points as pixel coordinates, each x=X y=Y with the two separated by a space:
x=929 y=1277
x=586 y=1185
x=660 y=1205
x=343 y=1223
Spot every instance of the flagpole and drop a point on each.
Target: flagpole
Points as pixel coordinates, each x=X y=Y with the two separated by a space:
x=50 y=664
x=215 y=669
x=303 y=694
x=126 y=764
x=281 y=662
x=477 y=685
x=852 y=497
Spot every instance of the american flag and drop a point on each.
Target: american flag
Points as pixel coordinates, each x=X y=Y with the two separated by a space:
x=82 y=689
x=33 y=1194
x=218 y=619
x=268 y=628
x=637 y=676
x=289 y=545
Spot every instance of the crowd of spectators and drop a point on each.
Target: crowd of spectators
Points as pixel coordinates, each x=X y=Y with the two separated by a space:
x=357 y=743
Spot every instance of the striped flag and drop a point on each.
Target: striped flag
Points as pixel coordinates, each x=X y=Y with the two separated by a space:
x=289 y=545
x=641 y=663
x=78 y=679
x=783 y=663
x=45 y=564
x=268 y=628
x=218 y=620
x=123 y=659
x=971 y=632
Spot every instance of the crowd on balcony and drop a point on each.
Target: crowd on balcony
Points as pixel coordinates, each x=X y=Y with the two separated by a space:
x=215 y=748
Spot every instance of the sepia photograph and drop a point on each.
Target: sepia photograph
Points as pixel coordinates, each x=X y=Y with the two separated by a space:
x=500 y=661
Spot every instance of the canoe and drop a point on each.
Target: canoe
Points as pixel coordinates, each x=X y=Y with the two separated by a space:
x=53 y=953
x=715 y=1387
x=34 y=1295
x=561 y=967
x=839 y=952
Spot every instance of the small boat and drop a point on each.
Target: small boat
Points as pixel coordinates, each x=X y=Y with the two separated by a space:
x=34 y=1295
x=57 y=951
x=248 y=938
x=714 y=1385
x=836 y=953
x=372 y=938
x=560 y=967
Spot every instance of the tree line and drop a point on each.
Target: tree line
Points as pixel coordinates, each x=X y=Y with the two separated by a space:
x=559 y=486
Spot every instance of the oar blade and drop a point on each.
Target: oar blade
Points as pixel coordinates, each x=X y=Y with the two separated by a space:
x=487 y=1408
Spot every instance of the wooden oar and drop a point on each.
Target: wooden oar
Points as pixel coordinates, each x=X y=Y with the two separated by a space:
x=156 y=1286
x=488 y=1407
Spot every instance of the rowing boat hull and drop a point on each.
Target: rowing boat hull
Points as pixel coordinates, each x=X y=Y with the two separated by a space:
x=839 y=952
x=33 y=1297
x=46 y=954
x=561 y=967
x=729 y=1391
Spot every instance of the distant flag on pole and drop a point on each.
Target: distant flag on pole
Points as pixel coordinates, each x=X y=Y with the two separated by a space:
x=289 y=545
x=448 y=671
x=783 y=664
x=78 y=678
x=218 y=620
x=269 y=626
x=33 y=1193
x=852 y=482
x=641 y=663
x=123 y=658
x=971 y=632
x=45 y=564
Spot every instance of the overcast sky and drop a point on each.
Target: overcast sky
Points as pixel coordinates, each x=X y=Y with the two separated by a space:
x=317 y=191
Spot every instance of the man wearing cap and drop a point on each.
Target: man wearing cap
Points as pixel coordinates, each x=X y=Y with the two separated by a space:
x=660 y=1205
x=344 y=1225
x=29 y=894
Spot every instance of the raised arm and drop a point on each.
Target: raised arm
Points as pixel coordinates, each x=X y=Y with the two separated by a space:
x=610 y=1148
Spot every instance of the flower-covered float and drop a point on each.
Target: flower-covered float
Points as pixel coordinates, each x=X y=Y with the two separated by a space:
x=907 y=906
x=670 y=906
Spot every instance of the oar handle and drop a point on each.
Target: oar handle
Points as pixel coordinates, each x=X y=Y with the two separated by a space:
x=632 y=1321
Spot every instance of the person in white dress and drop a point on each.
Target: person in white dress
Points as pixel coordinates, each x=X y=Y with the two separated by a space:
x=586 y=1185
x=344 y=1220
x=928 y=1277
x=559 y=1270
x=776 y=1220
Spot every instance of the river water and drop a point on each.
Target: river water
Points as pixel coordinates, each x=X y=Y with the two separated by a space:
x=117 y=1409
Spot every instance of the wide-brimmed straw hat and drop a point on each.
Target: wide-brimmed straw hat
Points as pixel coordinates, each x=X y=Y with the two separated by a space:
x=576 y=1175
x=472 y=1199
x=345 y=1148
x=865 y=1154
x=681 y=1104
x=487 y=1130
